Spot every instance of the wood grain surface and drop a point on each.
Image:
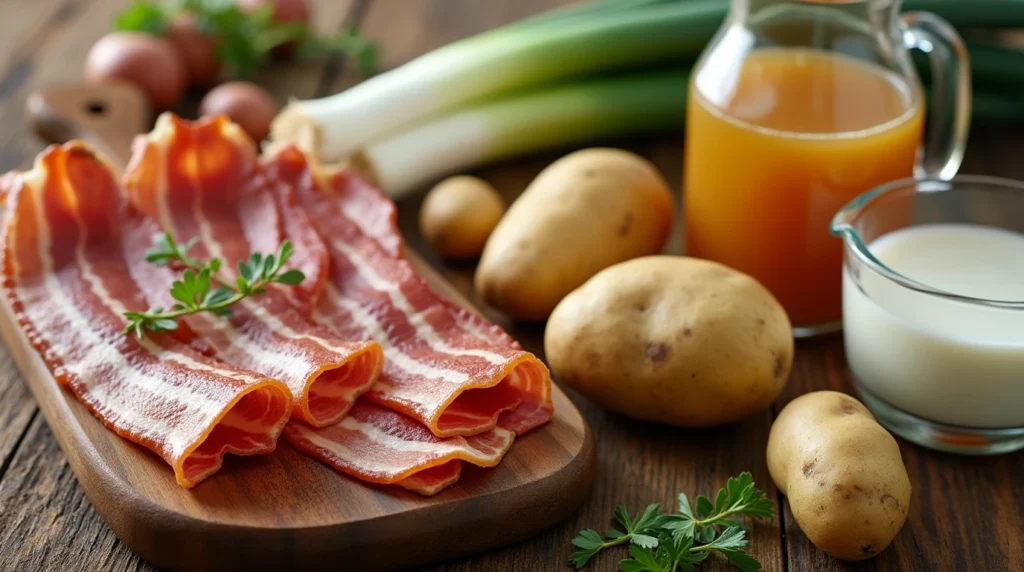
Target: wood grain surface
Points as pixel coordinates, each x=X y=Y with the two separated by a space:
x=966 y=513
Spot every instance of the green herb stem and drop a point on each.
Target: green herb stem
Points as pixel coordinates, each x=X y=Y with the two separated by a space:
x=667 y=542
x=718 y=519
x=620 y=540
x=193 y=291
x=204 y=308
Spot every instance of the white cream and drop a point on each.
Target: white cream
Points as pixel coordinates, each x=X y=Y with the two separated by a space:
x=952 y=362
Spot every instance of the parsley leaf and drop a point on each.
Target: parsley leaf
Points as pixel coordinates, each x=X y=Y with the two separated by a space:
x=143 y=17
x=642 y=526
x=732 y=538
x=681 y=542
x=589 y=543
x=643 y=561
x=197 y=292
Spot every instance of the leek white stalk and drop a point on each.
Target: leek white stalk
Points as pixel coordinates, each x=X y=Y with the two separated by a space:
x=494 y=63
x=469 y=102
x=551 y=118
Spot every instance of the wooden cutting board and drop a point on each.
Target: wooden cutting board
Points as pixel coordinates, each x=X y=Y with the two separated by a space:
x=285 y=511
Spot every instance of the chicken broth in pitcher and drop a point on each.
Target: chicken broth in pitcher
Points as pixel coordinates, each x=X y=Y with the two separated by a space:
x=775 y=149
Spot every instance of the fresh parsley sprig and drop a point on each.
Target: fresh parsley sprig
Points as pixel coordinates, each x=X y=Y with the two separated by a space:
x=246 y=39
x=641 y=530
x=198 y=290
x=680 y=542
x=738 y=498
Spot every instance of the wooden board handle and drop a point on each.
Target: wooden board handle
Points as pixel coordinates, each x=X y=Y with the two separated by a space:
x=108 y=116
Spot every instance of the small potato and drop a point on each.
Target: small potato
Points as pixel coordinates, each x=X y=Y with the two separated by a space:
x=150 y=63
x=197 y=49
x=674 y=340
x=245 y=103
x=586 y=211
x=459 y=214
x=847 y=486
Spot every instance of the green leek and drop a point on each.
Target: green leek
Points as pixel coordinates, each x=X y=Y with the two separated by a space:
x=552 y=118
x=493 y=63
x=531 y=86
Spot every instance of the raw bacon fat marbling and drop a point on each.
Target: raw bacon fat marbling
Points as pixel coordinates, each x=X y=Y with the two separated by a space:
x=386 y=447
x=200 y=180
x=453 y=372
x=453 y=387
x=65 y=278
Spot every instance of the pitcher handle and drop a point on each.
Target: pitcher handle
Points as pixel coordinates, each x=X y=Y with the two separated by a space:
x=951 y=92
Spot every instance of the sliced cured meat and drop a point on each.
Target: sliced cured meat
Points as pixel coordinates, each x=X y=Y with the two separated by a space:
x=470 y=371
x=242 y=210
x=429 y=482
x=366 y=207
x=376 y=216
x=202 y=181
x=444 y=366
x=385 y=447
x=65 y=278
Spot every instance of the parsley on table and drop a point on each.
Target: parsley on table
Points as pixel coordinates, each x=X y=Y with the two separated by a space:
x=662 y=542
x=197 y=290
x=246 y=39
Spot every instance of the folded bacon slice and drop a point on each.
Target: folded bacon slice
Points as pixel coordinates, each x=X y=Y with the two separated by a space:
x=201 y=180
x=450 y=369
x=66 y=280
x=473 y=363
x=385 y=447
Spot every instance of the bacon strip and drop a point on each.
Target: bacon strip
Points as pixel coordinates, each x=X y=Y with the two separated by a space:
x=385 y=447
x=471 y=363
x=201 y=180
x=445 y=367
x=65 y=279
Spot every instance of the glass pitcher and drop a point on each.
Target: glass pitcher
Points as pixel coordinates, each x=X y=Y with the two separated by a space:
x=795 y=108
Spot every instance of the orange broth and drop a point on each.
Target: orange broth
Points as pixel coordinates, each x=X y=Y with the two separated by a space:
x=801 y=134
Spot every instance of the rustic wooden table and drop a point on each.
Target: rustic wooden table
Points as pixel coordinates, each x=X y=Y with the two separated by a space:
x=966 y=513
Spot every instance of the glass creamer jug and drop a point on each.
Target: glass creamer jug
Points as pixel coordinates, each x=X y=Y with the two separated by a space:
x=795 y=108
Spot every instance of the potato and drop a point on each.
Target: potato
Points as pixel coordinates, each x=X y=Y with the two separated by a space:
x=249 y=105
x=675 y=340
x=583 y=213
x=459 y=214
x=847 y=486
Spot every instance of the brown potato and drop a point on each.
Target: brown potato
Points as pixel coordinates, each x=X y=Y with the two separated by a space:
x=245 y=103
x=459 y=214
x=585 y=212
x=150 y=63
x=847 y=486
x=675 y=340
x=198 y=50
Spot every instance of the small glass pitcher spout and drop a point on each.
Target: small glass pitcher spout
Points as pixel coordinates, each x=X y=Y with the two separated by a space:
x=848 y=222
x=857 y=228
x=842 y=222
x=967 y=199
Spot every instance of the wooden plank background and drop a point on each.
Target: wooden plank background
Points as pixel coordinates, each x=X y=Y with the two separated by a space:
x=966 y=513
